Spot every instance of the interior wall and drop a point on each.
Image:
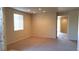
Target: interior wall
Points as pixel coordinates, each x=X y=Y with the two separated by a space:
x=13 y=36
x=44 y=25
x=64 y=24
x=72 y=24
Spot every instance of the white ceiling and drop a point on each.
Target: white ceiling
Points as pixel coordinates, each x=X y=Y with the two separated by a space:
x=43 y=9
x=35 y=9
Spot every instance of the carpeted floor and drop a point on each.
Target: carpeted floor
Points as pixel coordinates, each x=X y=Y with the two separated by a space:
x=41 y=44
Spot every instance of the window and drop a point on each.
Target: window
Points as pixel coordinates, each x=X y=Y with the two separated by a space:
x=18 y=22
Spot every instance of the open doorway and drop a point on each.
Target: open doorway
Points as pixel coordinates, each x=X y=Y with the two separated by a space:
x=62 y=26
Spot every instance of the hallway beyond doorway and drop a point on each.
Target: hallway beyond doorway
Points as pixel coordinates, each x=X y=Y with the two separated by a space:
x=62 y=27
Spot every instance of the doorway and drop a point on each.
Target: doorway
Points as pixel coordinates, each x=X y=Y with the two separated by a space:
x=62 y=25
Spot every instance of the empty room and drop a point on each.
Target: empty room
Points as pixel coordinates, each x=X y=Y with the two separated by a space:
x=39 y=28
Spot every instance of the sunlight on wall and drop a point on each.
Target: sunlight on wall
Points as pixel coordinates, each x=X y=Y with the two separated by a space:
x=58 y=25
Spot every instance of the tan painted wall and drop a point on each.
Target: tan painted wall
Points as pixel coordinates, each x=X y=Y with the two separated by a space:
x=44 y=25
x=12 y=35
x=64 y=24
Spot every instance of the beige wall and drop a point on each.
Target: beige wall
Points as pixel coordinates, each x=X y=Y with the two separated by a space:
x=44 y=25
x=64 y=24
x=12 y=35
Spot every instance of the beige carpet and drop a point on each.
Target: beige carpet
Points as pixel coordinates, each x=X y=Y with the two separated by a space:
x=41 y=44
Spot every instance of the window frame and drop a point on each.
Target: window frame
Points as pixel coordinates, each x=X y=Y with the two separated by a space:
x=14 y=23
